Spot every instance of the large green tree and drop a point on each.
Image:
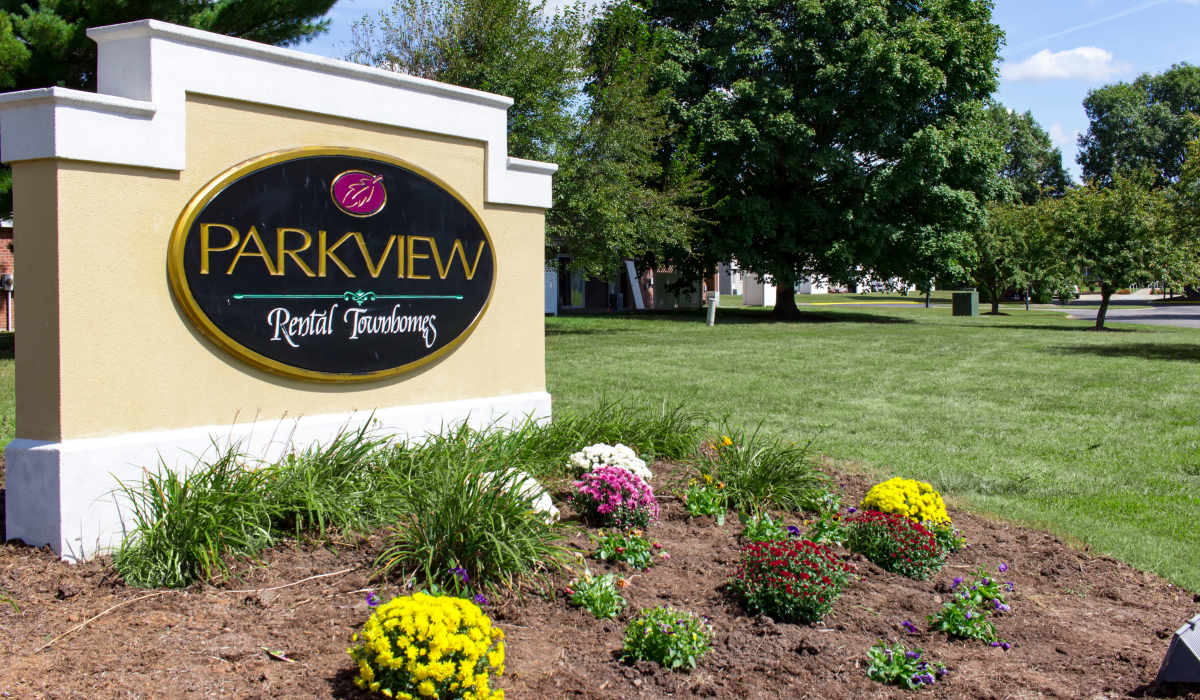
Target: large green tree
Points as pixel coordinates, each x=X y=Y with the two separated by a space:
x=614 y=198
x=1011 y=249
x=509 y=47
x=587 y=94
x=1146 y=124
x=1179 y=263
x=1032 y=164
x=839 y=136
x=1114 y=234
x=44 y=43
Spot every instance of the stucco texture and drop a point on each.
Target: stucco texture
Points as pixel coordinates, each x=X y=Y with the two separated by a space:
x=118 y=355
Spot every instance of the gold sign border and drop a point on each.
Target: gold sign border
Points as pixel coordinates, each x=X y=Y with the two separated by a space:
x=177 y=276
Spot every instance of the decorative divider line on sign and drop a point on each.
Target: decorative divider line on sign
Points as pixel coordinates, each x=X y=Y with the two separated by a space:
x=356 y=297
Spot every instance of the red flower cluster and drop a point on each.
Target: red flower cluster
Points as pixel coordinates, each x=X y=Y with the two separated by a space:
x=792 y=580
x=895 y=542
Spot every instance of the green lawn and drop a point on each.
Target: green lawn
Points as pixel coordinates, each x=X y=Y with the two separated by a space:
x=8 y=407
x=1026 y=416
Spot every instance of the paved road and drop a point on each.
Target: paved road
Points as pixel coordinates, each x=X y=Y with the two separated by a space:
x=1186 y=315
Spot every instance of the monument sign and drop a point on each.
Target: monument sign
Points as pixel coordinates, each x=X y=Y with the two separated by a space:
x=232 y=243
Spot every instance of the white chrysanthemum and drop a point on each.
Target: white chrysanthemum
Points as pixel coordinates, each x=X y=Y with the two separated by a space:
x=599 y=455
x=525 y=487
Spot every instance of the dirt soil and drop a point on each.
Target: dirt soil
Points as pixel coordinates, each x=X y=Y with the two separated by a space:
x=1081 y=626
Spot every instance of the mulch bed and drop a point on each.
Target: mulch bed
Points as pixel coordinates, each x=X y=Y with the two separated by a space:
x=1081 y=625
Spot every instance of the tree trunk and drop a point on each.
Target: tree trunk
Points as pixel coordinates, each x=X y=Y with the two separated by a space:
x=1028 y=293
x=994 y=291
x=1106 y=293
x=927 y=293
x=785 y=299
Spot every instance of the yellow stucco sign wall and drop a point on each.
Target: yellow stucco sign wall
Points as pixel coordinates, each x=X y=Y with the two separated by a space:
x=116 y=368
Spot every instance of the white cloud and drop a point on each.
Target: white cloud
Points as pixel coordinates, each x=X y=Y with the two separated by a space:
x=1062 y=138
x=1082 y=63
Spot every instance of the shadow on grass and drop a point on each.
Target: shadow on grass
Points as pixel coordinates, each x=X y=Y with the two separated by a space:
x=731 y=316
x=1146 y=351
x=6 y=345
x=1074 y=329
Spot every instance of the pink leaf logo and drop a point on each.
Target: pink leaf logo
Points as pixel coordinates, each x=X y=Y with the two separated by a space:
x=359 y=193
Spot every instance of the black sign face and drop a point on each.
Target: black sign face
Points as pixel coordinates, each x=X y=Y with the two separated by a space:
x=331 y=264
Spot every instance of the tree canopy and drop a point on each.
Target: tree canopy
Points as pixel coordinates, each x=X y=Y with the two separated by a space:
x=587 y=95
x=839 y=137
x=614 y=198
x=44 y=43
x=1032 y=164
x=1144 y=124
x=509 y=47
x=1114 y=234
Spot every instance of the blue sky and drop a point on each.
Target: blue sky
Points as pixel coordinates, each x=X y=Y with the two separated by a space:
x=1055 y=52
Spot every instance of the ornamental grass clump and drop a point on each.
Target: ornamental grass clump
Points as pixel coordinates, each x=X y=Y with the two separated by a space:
x=895 y=543
x=181 y=525
x=460 y=515
x=424 y=646
x=789 y=580
x=761 y=471
x=672 y=638
x=614 y=497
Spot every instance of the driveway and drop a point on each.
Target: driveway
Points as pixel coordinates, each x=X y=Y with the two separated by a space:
x=1185 y=315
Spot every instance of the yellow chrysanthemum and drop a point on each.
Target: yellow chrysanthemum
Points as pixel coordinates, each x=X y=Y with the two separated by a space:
x=429 y=646
x=915 y=499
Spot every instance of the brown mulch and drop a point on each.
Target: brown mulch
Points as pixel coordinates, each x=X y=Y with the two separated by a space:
x=1081 y=626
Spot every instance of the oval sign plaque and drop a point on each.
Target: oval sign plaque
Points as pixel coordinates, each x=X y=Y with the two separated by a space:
x=331 y=264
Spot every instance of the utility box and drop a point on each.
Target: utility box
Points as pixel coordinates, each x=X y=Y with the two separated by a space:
x=1182 y=662
x=966 y=303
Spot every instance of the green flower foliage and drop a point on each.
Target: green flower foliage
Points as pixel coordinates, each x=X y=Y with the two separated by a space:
x=597 y=594
x=631 y=548
x=676 y=639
